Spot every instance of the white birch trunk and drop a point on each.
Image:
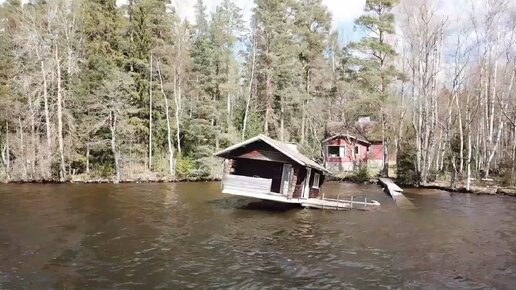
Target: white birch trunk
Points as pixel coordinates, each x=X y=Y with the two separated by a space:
x=169 y=129
x=249 y=90
x=112 y=128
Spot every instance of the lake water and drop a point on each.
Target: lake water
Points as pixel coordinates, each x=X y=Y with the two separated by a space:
x=190 y=236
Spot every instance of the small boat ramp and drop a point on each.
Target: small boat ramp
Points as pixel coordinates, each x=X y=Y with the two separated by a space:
x=396 y=193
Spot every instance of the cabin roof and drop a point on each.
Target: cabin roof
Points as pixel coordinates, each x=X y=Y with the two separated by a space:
x=284 y=148
x=370 y=131
x=346 y=136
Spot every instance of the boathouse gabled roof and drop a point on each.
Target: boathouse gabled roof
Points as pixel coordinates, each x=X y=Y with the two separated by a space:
x=283 y=148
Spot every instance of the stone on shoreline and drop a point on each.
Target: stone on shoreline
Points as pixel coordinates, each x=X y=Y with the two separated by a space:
x=506 y=191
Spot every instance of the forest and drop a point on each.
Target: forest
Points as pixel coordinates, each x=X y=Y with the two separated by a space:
x=94 y=90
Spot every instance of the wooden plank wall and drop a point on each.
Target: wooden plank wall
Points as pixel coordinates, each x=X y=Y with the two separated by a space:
x=246 y=184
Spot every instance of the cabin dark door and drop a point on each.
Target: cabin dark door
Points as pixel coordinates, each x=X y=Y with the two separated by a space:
x=285 y=178
x=306 y=184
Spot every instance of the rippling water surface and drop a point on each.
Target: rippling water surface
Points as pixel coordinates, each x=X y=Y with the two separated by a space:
x=188 y=235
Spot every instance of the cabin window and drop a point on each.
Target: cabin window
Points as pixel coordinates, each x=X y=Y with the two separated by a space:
x=333 y=151
x=357 y=150
x=316 y=181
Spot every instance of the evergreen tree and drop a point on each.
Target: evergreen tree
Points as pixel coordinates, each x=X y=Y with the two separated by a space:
x=10 y=14
x=374 y=64
x=313 y=26
x=279 y=73
x=103 y=80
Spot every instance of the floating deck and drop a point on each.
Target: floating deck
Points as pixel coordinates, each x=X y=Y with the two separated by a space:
x=322 y=203
x=339 y=204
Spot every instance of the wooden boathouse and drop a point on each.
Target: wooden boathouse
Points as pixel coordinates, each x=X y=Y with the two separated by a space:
x=268 y=169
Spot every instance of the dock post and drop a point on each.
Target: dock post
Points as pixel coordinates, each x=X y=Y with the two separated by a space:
x=338 y=198
x=365 y=202
x=351 y=203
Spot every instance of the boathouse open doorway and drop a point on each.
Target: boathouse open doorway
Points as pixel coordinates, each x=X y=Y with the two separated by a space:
x=285 y=178
x=260 y=169
x=306 y=187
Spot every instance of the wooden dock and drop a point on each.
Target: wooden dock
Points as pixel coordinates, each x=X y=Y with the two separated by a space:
x=396 y=193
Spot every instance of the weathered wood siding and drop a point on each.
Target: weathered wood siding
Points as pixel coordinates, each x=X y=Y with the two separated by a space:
x=293 y=180
x=314 y=192
x=238 y=183
x=261 y=169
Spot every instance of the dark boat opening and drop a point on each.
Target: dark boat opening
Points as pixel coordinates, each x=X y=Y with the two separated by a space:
x=259 y=168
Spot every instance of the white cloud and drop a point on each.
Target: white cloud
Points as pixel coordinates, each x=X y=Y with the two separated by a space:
x=344 y=11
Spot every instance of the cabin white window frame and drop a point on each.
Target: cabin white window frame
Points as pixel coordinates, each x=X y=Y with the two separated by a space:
x=317 y=177
x=356 y=150
x=342 y=151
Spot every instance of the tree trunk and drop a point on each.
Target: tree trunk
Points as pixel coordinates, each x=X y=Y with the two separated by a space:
x=6 y=155
x=513 y=170
x=385 y=168
x=169 y=130
x=47 y=114
x=228 y=113
x=87 y=158
x=250 y=88
x=504 y=104
x=22 y=150
x=282 y=122
x=468 y=129
x=268 y=100
x=62 y=171
x=150 y=115
x=33 y=139
x=112 y=127
x=177 y=97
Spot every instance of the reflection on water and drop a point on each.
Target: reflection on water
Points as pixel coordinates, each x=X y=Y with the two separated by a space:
x=188 y=235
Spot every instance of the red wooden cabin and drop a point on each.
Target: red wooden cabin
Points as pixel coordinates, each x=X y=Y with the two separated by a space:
x=347 y=147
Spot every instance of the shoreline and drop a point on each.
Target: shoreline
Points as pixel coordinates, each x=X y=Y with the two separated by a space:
x=109 y=181
x=493 y=189
x=475 y=189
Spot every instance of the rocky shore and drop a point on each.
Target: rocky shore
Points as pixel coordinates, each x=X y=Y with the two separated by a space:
x=479 y=189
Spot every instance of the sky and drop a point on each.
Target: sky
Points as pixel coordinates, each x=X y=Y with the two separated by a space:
x=344 y=13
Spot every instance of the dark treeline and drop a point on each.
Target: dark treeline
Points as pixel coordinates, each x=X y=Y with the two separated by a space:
x=89 y=89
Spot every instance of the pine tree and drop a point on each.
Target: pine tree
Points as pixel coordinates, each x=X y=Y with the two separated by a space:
x=225 y=30
x=375 y=70
x=279 y=73
x=148 y=28
x=313 y=25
